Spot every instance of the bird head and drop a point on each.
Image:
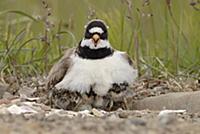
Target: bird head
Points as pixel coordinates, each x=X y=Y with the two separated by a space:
x=96 y=35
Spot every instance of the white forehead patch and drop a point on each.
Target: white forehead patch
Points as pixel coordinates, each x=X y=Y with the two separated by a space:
x=96 y=30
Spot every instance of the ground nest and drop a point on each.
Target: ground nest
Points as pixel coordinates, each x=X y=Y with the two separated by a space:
x=119 y=97
x=122 y=97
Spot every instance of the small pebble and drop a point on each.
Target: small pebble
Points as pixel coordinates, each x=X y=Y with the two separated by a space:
x=167 y=119
x=97 y=113
x=137 y=122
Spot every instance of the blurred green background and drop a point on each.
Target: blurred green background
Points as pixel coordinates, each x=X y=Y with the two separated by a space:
x=162 y=36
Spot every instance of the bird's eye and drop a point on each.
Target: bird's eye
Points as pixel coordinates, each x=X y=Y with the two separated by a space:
x=104 y=36
x=88 y=35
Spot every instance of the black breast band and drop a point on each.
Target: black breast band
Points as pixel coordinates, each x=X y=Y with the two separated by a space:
x=88 y=53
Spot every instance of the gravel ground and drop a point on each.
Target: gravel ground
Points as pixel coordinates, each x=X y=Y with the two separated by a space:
x=38 y=118
x=138 y=122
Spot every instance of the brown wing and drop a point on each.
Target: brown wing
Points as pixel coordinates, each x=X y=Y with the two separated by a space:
x=129 y=60
x=59 y=70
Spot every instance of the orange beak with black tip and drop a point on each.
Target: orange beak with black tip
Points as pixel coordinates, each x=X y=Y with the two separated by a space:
x=95 y=39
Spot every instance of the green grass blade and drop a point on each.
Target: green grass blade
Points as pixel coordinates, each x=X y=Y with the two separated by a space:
x=19 y=13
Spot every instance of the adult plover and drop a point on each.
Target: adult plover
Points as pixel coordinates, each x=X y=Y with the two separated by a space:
x=93 y=65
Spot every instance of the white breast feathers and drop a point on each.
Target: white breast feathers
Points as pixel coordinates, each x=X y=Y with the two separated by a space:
x=98 y=74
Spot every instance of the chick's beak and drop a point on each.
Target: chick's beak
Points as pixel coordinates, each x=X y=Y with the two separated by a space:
x=95 y=38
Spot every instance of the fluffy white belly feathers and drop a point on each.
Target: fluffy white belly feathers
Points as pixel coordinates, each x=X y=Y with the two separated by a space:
x=98 y=75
